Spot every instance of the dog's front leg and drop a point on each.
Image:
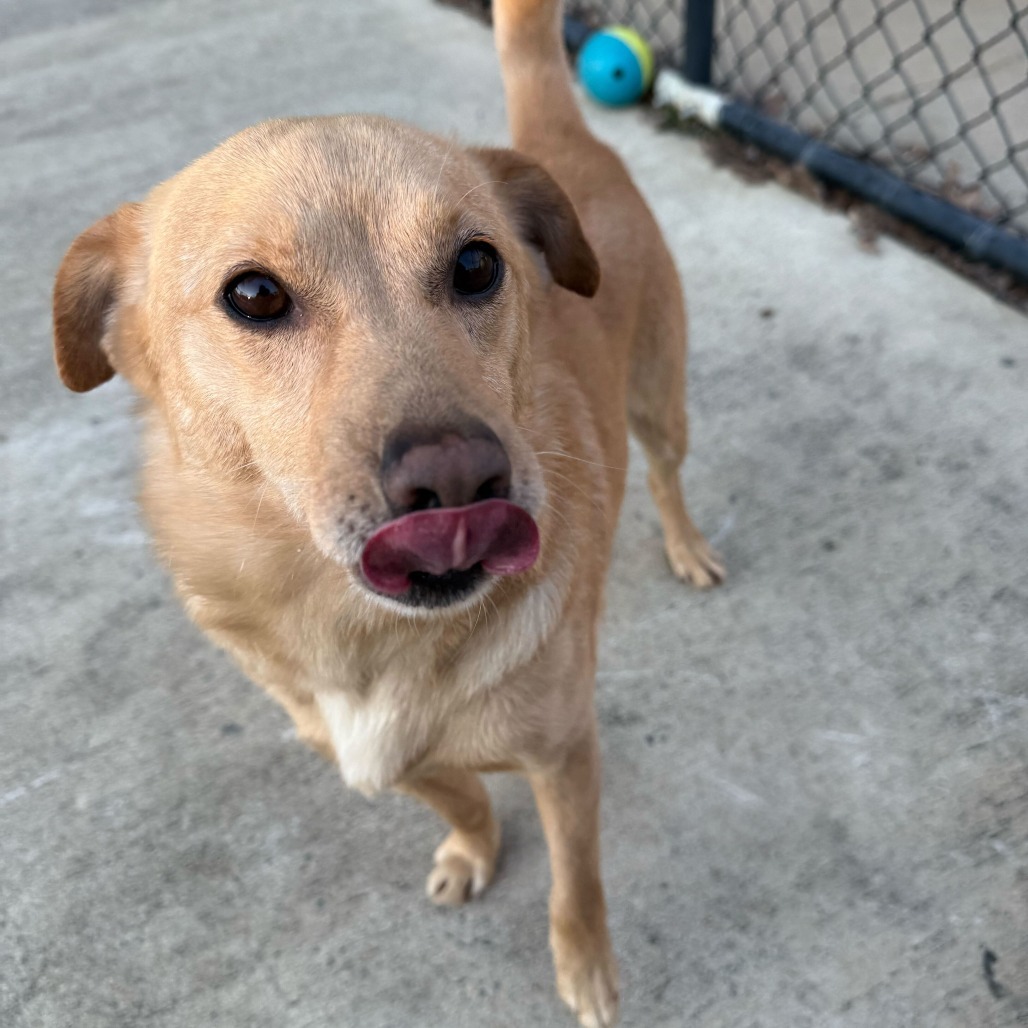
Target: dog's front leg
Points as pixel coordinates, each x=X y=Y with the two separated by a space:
x=464 y=863
x=568 y=797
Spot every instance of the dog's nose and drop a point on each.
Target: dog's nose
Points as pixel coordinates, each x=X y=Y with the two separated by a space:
x=430 y=466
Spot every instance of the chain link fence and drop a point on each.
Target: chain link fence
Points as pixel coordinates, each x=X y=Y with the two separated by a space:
x=936 y=91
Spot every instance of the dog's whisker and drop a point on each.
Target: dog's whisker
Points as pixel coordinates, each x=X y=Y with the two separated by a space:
x=559 y=514
x=549 y=506
x=491 y=182
x=260 y=501
x=241 y=467
x=492 y=603
x=442 y=165
x=479 y=607
x=593 y=501
x=582 y=460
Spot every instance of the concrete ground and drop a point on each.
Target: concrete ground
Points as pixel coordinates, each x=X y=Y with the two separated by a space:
x=816 y=802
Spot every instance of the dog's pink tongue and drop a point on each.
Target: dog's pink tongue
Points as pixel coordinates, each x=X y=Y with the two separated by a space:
x=496 y=533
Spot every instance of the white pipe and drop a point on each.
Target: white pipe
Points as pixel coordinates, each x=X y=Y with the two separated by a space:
x=671 y=90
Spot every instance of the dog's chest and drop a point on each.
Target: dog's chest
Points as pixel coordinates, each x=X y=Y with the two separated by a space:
x=376 y=737
x=408 y=714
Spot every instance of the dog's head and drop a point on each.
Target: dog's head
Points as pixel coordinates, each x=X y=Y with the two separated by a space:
x=343 y=308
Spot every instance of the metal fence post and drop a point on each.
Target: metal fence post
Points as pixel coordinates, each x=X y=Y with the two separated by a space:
x=699 y=40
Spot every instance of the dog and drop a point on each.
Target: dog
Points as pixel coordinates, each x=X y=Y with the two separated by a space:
x=387 y=384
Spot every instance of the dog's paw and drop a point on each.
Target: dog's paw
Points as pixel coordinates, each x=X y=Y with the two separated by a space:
x=463 y=867
x=587 y=981
x=694 y=561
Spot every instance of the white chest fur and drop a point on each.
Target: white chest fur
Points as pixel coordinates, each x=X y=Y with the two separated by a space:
x=375 y=737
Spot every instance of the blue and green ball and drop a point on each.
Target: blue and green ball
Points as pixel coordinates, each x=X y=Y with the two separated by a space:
x=616 y=66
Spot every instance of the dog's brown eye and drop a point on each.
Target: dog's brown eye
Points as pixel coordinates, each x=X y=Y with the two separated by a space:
x=477 y=269
x=257 y=297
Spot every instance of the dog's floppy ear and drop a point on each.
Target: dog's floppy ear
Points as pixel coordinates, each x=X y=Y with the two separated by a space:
x=546 y=217
x=87 y=293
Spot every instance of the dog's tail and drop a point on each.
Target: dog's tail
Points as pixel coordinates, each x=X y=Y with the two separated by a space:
x=541 y=103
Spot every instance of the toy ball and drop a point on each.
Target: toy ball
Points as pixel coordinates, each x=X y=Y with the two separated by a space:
x=616 y=66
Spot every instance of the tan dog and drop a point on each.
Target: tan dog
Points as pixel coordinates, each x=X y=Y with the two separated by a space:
x=387 y=385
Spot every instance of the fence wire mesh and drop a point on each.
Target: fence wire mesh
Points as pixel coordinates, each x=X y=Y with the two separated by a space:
x=934 y=90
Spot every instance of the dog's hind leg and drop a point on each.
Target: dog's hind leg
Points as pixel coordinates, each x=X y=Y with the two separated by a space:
x=657 y=416
x=465 y=861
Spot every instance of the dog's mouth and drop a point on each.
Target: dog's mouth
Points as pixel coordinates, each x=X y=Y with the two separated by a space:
x=432 y=558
